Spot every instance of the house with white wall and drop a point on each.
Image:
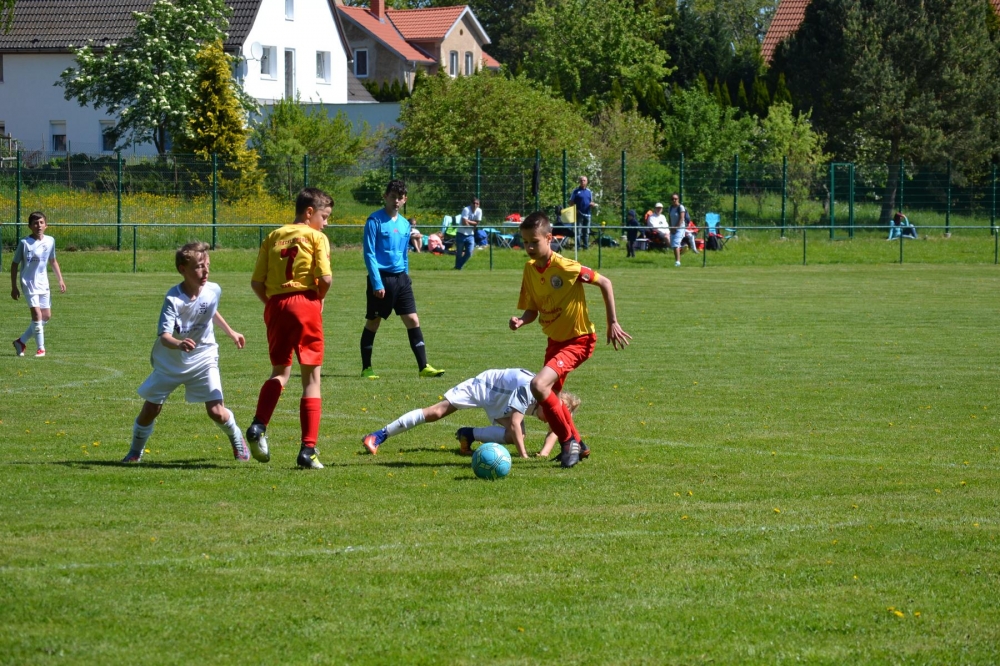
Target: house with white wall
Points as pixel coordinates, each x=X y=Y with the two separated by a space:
x=287 y=49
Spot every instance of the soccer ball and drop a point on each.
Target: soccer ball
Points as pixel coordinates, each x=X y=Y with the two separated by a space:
x=491 y=462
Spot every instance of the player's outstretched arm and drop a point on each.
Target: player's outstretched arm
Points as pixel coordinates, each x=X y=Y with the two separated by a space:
x=526 y=317
x=14 y=292
x=515 y=433
x=55 y=267
x=235 y=336
x=617 y=337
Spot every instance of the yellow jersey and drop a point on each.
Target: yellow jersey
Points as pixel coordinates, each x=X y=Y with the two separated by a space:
x=556 y=292
x=291 y=259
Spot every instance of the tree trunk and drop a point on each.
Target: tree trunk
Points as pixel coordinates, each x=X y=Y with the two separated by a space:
x=892 y=184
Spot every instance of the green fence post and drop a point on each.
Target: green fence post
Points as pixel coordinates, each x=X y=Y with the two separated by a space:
x=804 y=246
x=947 y=212
x=135 y=248
x=901 y=237
x=784 y=193
x=392 y=168
x=538 y=169
x=993 y=205
x=564 y=179
x=833 y=214
x=479 y=173
x=305 y=170
x=118 y=197
x=680 y=183
x=215 y=199
x=850 y=202
x=902 y=183
x=704 y=248
x=492 y=239
x=600 y=242
x=736 y=191
x=17 y=203
x=260 y=235
x=624 y=192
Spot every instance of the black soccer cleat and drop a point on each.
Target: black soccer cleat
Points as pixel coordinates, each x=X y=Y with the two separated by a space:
x=308 y=458
x=570 y=453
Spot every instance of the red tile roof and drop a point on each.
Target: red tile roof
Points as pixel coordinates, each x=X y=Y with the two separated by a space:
x=385 y=33
x=996 y=5
x=786 y=21
x=430 y=23
x=492 y=63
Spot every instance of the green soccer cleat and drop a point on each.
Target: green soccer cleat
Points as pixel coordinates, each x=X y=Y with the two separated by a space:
x=369 y=373
x=428 y=371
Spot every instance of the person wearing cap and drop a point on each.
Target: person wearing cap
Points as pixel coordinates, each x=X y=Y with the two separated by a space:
x=658 y=223
x=465 y=234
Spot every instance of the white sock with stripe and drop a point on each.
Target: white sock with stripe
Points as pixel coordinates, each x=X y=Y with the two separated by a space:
x=405 y=422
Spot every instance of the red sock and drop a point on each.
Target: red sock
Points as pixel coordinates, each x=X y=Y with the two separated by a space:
x=310 y=410
x=267 y=400
x=568 y=415
x=556 y=417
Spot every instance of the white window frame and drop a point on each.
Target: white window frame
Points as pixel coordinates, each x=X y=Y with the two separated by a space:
x=105 y=125
x=323 y=60
x=54 y=126
x=289 y=10
x=357 y=71
x=453 y=63
x=470 y=65
x=270 y=59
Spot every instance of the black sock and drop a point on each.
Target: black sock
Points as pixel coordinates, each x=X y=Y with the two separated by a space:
x=367 y=343
x=417 y=345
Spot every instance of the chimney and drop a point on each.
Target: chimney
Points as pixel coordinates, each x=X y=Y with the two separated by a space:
x=377 y=7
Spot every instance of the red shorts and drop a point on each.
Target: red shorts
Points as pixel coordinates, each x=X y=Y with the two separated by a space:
x=568 y=355
x=294 y=324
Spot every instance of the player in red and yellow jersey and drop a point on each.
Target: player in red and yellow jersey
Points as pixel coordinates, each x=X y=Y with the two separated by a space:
x=291 y=278
x=552 y=292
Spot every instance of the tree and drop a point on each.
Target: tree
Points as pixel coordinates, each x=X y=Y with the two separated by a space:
x=784 y=134
x=704 y=130
x=148 y=80
x=217 y=124
x=909 y=79
x=579 y=47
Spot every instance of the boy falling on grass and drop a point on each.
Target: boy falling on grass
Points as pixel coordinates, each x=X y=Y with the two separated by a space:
x=504 y=394
x=33 y=254
x=552 y=292
x=186 y=353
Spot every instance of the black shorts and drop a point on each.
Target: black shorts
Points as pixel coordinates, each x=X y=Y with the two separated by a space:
x=398 y=297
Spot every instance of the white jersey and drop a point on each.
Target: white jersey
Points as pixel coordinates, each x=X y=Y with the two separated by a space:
x=33 y=256
x=499 y=392
x=184 y=317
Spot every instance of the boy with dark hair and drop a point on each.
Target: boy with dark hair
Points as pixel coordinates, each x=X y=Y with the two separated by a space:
x=552 y=292
x=385 y=245
x=291 y=278
x=34 y=253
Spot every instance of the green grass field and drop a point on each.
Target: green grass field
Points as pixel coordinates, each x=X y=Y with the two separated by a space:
x=790 y=464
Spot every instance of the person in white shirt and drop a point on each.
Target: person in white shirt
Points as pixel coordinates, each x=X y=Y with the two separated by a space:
x=185 y=353
x=34 y=254
x=465 y=233
x=677 y=215
x=658 y=223
x=505 y=395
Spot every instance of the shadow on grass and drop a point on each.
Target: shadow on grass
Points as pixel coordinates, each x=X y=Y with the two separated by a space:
x=403 y=463
x=194 y=464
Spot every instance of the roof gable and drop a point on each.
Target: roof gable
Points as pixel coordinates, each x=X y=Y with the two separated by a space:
x=433 y=23
x=385 y=33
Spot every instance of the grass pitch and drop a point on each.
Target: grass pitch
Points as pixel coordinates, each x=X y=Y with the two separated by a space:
x=789 y=464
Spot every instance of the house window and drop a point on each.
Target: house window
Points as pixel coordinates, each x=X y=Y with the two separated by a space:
x=269 y=63
x=107 y=141
x=57 y=128
x=453 y=63
x=3 y=129
x=289 y=10
x=323 y=66
x=468 y=63
x=361 y=63
x=290 y=87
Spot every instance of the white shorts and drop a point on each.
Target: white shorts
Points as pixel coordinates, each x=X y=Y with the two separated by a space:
x=201 y=384
x=42 y=300
x=677 y=237
x=472 y=394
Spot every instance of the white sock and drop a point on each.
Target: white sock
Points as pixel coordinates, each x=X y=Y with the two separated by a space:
x=490 y=434
x=140 y=435
x=229 y=427
x=405 y=422
x=40 y=334
x=28 y=334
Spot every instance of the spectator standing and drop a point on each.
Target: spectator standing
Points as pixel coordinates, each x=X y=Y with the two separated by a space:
x=677 y=219
x=465 y=234
x=583 y=199
x=631 y=230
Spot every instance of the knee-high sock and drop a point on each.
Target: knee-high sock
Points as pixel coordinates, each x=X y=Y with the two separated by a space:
x=229 y=426
x=568 y=416
x=417 y=345
x=555 y=415
x=367 y=344
x=140 y=435
x=267 y=400
x=310 y=410
x=408 y=420
x=490 y=434
x=28 y=334
x=40 y=334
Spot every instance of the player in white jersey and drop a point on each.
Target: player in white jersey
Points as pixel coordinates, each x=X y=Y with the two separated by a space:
x=185 y=353
x=34 y=254
x=504 y=394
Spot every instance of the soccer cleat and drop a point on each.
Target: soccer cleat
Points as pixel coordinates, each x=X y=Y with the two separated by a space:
x=258 y=442
x=40 y=353
x=133 y=456
x=308 y=458
x=428 y=371
x=240 y=451
x=373 y=440
x=369 y=373
x=584 y=451
x=570 y=453
x=465 y=440
x=18 y=347
x=677 y=263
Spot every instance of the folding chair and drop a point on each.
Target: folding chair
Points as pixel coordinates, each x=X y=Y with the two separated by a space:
x=712 y=224
x=499 y=238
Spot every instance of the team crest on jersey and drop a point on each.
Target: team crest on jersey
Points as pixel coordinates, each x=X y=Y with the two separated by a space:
x=556 y=281
x=202 y=307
